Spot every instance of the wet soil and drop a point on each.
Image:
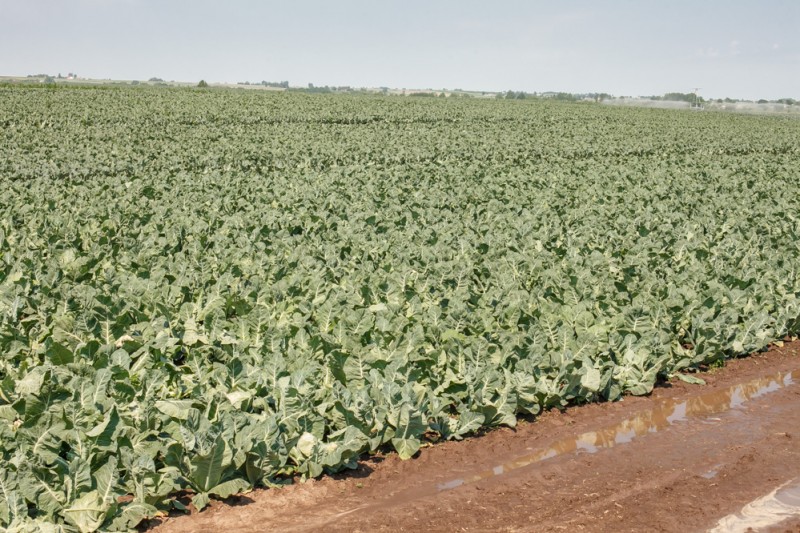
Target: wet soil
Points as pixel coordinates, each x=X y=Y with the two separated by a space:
x=682 y=459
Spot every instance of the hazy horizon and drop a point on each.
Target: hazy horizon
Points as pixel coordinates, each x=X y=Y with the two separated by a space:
x=739 y=49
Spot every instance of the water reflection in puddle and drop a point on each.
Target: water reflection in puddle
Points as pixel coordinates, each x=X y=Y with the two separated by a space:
x=779 y=505
x=667 y=413
x=711 y=474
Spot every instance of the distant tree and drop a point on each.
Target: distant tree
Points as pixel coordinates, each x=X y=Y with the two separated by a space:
x=202 y=84
x=155 y=80
x=282 y=84
x=565 y=97
x=684 y=97
x=762 y=101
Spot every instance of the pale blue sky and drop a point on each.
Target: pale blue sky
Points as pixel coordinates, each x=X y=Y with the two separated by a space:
x=737 y=48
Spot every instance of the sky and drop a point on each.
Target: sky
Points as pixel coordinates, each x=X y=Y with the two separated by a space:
x=729 y=48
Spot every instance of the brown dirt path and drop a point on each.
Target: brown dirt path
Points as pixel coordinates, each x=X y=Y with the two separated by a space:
x=678 y=460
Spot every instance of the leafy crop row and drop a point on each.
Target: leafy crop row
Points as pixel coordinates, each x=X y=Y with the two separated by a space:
x=208 y=291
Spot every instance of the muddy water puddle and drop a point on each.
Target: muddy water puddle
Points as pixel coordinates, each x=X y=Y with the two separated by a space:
x=712 y=473
x=666 y=414
x=779 y=505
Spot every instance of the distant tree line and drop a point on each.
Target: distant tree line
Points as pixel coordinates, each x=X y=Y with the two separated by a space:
x=265 y=83
x=560 y=96
x=690 y=97
x=785 y=101
x=679 y=97
x=326 y=89
x=279 y=84
x=434 y=94
x=512 y=95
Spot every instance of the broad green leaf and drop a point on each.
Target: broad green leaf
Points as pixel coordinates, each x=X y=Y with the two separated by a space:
x=175 y=408
x=206 y=469
x=591 y=379
x=230 y=487
x=688 y=378
x=200 y=500
x=88 y=512
x=131 y=515
x=59 y=355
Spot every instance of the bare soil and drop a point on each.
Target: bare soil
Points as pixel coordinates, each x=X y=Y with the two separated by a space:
x=677 y=460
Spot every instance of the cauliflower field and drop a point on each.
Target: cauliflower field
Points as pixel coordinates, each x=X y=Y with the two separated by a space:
x=209 y=290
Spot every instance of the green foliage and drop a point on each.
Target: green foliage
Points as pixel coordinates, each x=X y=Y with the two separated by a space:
x=210 y=291
x=681 y=97
x=202 y=84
